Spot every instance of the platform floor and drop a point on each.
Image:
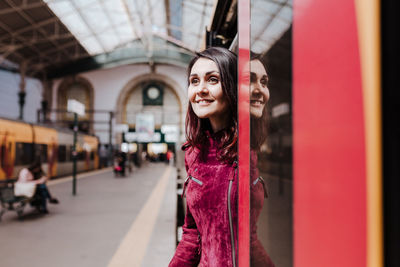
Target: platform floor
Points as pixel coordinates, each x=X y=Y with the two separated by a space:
x=128 y=221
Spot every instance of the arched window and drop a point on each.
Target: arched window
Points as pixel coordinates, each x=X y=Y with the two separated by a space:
x=79 y=89
x=152 y=97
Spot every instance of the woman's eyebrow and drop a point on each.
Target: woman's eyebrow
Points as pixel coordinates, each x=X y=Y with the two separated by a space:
x=254 y=75
x=207 y=73
x=210 y=72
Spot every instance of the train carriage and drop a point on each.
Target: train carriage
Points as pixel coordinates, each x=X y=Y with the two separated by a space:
x=21 y=143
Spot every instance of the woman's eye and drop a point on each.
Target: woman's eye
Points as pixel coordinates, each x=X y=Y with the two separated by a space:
x=194 y=81
x=213 y=80
x=264 y=82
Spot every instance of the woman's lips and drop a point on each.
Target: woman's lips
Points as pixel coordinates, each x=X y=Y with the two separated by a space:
x=256 y=102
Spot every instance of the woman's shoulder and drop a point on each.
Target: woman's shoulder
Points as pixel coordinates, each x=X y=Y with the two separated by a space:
x=191 y=152
x=253 y=155
x=186 y=146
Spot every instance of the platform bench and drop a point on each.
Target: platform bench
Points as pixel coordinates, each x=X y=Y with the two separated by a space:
x=9 y=201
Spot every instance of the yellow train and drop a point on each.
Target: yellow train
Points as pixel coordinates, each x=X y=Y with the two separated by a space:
x=21 y=143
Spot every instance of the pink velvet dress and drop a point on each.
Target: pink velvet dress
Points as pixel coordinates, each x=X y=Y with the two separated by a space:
x=210 y=230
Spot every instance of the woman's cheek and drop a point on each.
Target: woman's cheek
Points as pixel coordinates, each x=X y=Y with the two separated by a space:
x=266 y=94
x=190 y=93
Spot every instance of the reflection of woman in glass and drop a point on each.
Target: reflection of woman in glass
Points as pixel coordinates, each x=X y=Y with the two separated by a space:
x=210 y=230
x=259 y=96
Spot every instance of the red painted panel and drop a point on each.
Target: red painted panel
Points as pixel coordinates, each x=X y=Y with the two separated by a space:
x=329 y=153
x=244 y=135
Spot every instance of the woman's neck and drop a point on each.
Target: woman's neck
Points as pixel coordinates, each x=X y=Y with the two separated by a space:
x=219 y=122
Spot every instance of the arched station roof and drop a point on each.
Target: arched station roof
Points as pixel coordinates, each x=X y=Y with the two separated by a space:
x=53 y=38
x=44 y=36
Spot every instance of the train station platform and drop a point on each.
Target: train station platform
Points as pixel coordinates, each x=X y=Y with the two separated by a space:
x=123 y=221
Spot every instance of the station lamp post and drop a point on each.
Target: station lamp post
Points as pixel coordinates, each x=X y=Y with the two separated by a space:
x=76 y=108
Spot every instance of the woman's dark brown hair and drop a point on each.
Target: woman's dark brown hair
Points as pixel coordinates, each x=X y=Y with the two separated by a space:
x=36 y=169
x=196 y=128
x=259 y=126
x=35 y=165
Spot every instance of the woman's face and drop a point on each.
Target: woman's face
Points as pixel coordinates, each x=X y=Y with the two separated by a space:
x=205 y=93
x=259 y=91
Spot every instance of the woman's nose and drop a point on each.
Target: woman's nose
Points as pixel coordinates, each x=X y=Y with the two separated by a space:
x=202 y=89
x=255 y=89
x=258 y=87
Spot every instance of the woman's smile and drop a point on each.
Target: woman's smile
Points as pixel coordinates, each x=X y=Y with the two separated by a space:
x=257 y=102
x=204 y=102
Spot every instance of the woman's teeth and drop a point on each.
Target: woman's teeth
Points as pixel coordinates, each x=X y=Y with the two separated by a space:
x=204 y=101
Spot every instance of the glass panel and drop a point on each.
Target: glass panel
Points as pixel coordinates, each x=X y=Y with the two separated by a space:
x=24 y=153
x=271 y=134
x=41 y=151
x=62 y=153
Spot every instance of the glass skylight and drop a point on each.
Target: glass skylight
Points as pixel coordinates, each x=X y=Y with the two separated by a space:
x=274 y=18
x=101 y=26
x=196 y=16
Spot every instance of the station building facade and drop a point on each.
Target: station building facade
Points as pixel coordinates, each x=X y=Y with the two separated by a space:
x=122 y=90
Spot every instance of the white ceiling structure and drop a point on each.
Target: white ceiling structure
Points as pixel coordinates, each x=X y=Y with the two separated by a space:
x=270 y=19
x=40 y=35
x=104 y=25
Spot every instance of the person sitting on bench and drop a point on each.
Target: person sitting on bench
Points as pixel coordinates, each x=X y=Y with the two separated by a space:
x=34 y=174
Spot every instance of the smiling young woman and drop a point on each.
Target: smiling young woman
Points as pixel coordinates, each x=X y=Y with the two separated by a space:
x=210 y=229
x=212 y=78
x=259 y=96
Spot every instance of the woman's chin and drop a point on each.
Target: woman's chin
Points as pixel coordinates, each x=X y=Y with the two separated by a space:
x=256 y=112
x=201 y=115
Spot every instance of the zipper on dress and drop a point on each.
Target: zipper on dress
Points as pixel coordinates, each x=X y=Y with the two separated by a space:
x=230 y=221
x=184 y=186
x=263 y=184
x=196 y=180
x=187 y=181
x=256 y=181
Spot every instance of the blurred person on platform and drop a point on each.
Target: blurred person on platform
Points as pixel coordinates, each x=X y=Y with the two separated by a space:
x=170 y=157
x=34 y=175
